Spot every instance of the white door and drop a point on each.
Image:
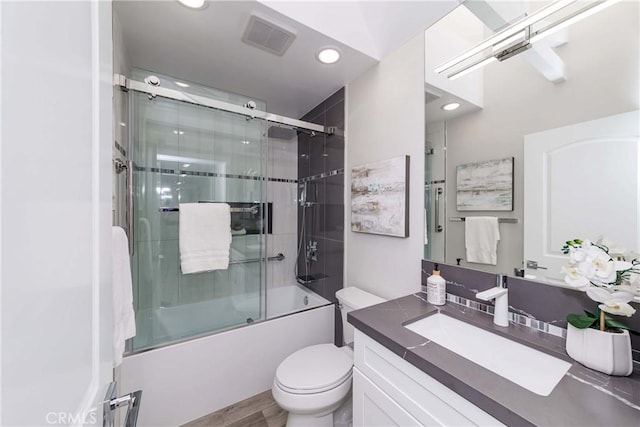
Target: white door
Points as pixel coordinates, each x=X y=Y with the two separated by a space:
x=55 y=211
x=580 y=181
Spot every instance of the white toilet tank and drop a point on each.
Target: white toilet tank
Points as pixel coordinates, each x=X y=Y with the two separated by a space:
x=353 y=298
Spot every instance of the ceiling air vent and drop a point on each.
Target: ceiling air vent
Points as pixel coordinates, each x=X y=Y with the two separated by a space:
x=267 y=36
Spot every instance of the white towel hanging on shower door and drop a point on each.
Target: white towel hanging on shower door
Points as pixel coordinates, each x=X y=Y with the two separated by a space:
x=205 y=237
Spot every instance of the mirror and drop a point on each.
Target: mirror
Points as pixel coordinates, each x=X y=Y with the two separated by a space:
x=572 y=86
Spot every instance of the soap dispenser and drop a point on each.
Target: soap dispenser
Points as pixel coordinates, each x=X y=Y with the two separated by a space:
x=436 y=288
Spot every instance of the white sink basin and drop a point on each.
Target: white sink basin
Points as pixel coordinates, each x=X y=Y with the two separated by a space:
x=534 y=370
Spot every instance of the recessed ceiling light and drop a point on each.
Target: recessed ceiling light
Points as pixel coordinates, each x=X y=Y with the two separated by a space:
x=182 y=84
x=186 y=165
x=193 y=4
x=123 y=124
x=328 y=55
x=451 y=106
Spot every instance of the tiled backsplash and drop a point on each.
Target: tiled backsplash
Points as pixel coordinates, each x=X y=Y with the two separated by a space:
x=513 y=317
x=536 y=304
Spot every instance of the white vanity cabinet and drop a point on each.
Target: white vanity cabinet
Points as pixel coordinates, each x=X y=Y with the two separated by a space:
x=389 y=391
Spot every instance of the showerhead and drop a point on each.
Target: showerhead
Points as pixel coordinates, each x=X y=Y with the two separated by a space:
x=311 y=133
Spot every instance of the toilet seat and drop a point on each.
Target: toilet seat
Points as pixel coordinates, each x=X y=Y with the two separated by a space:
x=314 y=369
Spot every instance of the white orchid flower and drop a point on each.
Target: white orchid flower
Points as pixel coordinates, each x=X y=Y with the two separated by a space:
x=573 y=277
x=577 y=255
x=618 y=308
x=612 y=302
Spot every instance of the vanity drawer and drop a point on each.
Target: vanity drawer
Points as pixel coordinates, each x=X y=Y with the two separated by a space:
x=421 y=396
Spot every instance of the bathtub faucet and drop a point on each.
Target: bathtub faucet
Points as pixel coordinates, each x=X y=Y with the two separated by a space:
x=312 y=251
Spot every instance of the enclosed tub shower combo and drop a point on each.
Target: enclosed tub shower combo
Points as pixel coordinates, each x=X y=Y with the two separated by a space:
x=209 y=146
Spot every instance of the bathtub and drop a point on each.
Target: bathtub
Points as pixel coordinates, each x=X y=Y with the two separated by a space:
x=173 y=324
x=189 y=379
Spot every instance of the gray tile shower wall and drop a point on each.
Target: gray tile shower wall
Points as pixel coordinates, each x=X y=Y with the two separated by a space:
x=321 y=169
x=530 y=298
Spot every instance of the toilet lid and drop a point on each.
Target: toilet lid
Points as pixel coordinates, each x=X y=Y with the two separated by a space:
x=314 y=369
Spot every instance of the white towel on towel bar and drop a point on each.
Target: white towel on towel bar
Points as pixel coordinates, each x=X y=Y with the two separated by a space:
x=123 y=315
x=205 y=237
x=481 y=236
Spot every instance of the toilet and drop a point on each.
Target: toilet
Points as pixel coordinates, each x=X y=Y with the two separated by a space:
x=314 y=382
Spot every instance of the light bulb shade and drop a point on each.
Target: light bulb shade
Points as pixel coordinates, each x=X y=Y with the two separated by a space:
x=328 y=55
x=193 y=4
x=451 y=106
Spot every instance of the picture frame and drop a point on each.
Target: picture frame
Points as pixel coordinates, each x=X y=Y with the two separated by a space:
x=380 y=197
x=485 y=186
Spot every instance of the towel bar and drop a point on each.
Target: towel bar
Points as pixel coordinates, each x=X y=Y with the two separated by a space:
x=278 y=257
x=253 y=209
x=462 y=219
x=121 y=166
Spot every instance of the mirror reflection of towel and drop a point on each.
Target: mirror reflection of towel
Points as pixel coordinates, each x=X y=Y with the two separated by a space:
x=204 y=237
x=481 y=236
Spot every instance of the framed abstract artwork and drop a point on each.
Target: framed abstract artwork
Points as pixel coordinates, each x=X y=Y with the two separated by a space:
x=485 y=186
x=380 y=197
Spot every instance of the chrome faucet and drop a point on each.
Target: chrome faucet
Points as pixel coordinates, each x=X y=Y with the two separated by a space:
x=501 y=296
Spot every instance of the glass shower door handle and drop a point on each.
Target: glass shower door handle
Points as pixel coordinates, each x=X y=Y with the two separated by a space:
x=438 y=227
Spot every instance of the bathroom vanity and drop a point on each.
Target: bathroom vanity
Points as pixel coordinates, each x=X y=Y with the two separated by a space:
x=402 y=378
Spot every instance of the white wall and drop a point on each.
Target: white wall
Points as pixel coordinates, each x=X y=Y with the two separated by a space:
x=384 y=119
x=57 y=325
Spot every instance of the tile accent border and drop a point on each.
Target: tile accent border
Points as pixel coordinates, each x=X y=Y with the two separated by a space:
x=322 y=175
x=211 y=174
x=513 y=317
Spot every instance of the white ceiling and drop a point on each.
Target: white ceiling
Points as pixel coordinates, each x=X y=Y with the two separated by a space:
x=205 y=46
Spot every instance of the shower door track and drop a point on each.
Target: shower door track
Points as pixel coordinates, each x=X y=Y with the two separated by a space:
x=127 y=84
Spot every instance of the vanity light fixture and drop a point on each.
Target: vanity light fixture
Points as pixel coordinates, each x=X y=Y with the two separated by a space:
x=193 y=4
x=328 y=55
x=182 y=84
x=571 y=19
x=178 y=132
x=245 y=142
x=502 y=43
x=451 y=106
x=471 y=68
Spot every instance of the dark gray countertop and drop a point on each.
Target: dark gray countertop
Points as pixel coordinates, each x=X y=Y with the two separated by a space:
x=582 y=398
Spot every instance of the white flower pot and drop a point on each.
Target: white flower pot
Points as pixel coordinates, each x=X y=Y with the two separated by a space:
x=602 y=351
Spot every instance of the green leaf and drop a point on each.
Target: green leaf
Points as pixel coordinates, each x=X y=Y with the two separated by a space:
x=581 y=321
x=589 y=314
x=611 y=322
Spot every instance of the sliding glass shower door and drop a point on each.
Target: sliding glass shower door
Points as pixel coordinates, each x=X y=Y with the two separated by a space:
x=185 y=153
